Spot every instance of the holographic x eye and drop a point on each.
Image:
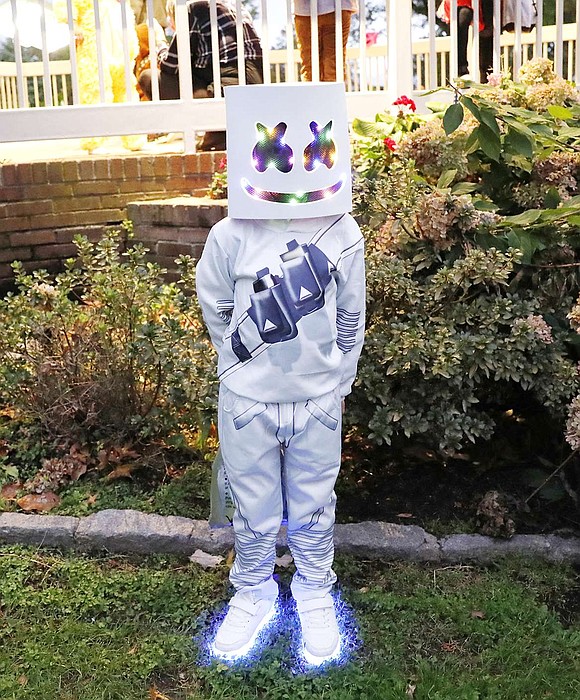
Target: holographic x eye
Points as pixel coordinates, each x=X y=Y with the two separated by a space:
x=271 y=151
x=321 y=149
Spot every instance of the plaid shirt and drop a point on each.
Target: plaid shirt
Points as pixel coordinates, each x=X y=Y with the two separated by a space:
x=200 y=38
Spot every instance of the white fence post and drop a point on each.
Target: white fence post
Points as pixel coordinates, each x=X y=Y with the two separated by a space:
x=400 y=47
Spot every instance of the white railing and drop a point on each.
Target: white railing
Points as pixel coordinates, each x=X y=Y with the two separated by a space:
x=528 y=47
x=374 y=74
x=60 y=81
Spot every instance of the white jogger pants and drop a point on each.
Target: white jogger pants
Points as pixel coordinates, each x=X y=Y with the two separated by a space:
x=276 y=454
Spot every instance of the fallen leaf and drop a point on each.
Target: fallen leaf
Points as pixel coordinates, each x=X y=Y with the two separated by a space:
x=405 y=515
x=22 y=680
x=92 y=499
x=410 y=691
x=103 y=459
x=450 y=647
x=230 y=558
x=285 y=560
x=79 y=469
x=205 y=560
x=478 y=614
x=154 y=694
x=10 y=491
x=41 y=502
x=124 y=471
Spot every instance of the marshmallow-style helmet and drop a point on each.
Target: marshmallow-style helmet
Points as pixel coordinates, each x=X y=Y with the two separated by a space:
x=288 y=151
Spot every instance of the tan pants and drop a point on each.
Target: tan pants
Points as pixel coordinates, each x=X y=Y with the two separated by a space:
x=326 y=44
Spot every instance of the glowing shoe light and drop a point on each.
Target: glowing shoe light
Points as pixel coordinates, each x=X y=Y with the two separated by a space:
x=240 y=653
x=312 y=660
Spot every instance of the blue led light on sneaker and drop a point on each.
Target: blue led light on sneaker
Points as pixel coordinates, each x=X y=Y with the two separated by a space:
x=284 y=622
x=247 y=648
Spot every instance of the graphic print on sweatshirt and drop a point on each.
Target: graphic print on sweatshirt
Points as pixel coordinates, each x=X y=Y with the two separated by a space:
x=280 y=301
x=289 y=301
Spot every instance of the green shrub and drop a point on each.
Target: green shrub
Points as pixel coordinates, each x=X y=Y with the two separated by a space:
x=472 y=229
x=106 y=353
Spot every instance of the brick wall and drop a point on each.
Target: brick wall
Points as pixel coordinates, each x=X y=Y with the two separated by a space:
x=44 y=204
x=174 y=227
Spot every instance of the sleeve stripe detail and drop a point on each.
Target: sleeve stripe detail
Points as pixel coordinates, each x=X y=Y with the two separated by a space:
x=347 y=324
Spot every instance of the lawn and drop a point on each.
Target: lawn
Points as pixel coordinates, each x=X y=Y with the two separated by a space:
x=74 y=627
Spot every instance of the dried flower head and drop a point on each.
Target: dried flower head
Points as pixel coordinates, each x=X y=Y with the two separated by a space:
x=434 y=152
x=536 y=324
x=572 y=434
x=434 y=219
x=387 y=237
x=574 y=316
x=538 y=70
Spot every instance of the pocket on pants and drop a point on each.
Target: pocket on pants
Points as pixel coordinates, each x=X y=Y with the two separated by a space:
x=241 y=409
x=325 y=409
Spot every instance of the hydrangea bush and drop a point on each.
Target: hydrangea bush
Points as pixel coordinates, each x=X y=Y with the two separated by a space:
x=472 y=222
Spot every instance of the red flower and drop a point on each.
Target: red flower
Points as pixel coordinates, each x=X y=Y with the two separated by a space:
x=391 y=144
x=223 y=163
x=406 y=102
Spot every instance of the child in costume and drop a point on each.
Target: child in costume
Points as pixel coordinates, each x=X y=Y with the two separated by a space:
x=282 y=289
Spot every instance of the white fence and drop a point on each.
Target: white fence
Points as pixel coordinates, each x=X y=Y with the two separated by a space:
x=41 y=100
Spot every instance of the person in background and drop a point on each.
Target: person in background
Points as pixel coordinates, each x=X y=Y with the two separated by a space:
x=201 y=58
x=112 y=56
x=326 y=35
x=143 y=58
x=201 y=52
x=464 y=20
x=159 y=12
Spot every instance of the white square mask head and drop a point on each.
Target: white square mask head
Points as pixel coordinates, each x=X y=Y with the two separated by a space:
x=288 y=151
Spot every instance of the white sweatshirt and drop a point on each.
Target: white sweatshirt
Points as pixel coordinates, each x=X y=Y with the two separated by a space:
x=284 y=302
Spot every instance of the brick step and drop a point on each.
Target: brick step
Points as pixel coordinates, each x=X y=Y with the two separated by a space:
x=174 y=226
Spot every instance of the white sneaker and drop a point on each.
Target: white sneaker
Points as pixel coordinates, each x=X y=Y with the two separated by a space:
x=319 y=629
x=248 y=614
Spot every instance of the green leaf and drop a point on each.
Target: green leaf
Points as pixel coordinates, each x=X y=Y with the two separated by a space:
x=453 y=117
x=472 y=143
x=518 y=126
x=371 y=129
x=446 y=178
x=484 y=205
x=472 y=107
x=487 y=241
x=464 y=188
x=525 y=241
x=542 y=129
x=559 y=112
x=488 y=118
x=519 y=142
x=524 y=219
x=552 y=198
x=489 y=142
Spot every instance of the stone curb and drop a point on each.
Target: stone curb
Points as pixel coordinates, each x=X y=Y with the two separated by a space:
x=133 y=531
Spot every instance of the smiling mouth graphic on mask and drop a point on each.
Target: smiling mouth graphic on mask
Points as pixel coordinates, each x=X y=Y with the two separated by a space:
x=292 y=197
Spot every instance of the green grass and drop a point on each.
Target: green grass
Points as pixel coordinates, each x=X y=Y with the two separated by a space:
x=74 y=627
x=186 y=495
